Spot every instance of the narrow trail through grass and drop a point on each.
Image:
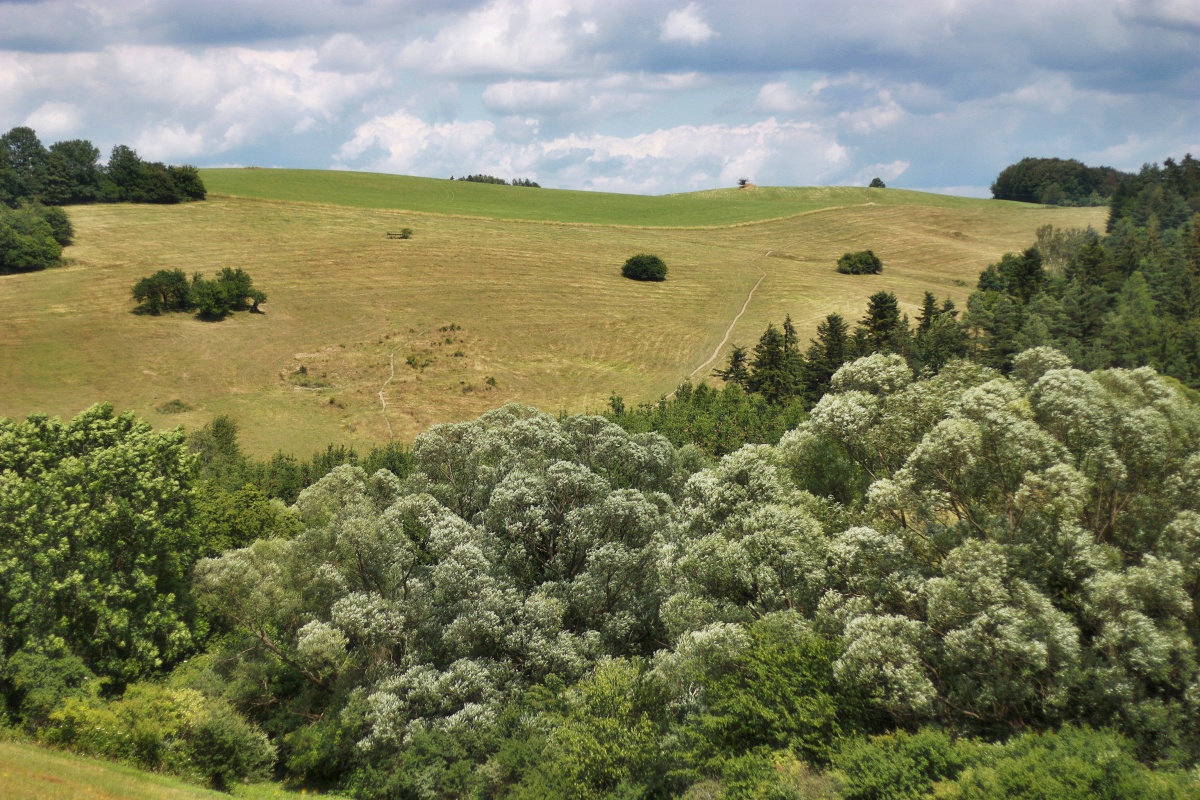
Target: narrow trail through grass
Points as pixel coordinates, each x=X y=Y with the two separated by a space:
x=729 y=331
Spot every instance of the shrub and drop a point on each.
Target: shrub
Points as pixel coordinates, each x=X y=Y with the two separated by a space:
x=645 y=267
x=876 y=183
x=225 y=748
x=898 y=766
x=864 y=262
x=162 y=728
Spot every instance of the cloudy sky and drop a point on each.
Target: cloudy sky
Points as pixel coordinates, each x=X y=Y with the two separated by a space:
x=647 y=96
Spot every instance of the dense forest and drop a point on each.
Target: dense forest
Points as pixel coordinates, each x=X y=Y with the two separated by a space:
x=949 y=557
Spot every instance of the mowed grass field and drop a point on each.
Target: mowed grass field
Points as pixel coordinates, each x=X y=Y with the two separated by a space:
x=479 y=308
x=33 y=773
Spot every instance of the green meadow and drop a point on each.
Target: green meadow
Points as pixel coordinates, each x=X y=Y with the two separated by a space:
x=503 y=294
x=717 y=208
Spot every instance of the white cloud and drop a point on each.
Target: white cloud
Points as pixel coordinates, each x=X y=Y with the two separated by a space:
x=885 y=172
x=407 y=143
x=776 y=98
x=528 y=96
x=55 y=120
x=680 y=158
x=686 y=25
x=170 y=142
x=506 y=36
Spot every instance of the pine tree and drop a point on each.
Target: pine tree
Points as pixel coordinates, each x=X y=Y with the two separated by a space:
x=771 y=374
x=883 y=329
x=825 y=355
x=736 y=370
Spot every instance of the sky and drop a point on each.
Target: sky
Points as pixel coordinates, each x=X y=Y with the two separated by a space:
x=642 y=96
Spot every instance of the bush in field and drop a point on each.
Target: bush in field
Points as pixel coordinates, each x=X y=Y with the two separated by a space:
x=645 y=267
x=864 y=262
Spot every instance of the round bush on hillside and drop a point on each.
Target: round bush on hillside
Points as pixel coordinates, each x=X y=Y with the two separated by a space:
x=864 y=262
x=645 y=267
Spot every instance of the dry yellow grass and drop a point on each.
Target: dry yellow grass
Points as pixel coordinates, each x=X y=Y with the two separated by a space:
x=542 y=308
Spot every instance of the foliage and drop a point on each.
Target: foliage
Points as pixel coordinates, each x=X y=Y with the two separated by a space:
x=780 y=374
x=1071 y=764
x=900 y=765
x=545 y=607
x=169 y=290
x=717 y=421
x=644 y=267
x=32 y=237
x=484 y=179
x=1055 y=181
x=163 y=728
x=863 y=262
x=96 y=541
x=500 y=181
x=1169 y=194
x=877 y=183
x=69 y=172
x=165 y=290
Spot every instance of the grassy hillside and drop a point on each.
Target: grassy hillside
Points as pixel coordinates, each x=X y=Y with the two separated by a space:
x=720 y=207
x=31 y=773
x=538 y=308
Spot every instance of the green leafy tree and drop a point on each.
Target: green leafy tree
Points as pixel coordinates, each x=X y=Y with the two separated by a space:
x=776 y=366
x=73 y=172
x=737 y=369
x=29 y=237
x=97 y=539
x=27 y=162
x=165 y=290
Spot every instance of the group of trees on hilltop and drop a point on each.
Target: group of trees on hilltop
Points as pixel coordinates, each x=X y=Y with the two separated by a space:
x=1056 y=181
x=500 y=181
x=70 y=172
x=170 y=290
x=1165 y=192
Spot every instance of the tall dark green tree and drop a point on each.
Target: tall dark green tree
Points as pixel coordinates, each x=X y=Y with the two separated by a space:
x=774 y=370
x=737 y=369
x=884 y=329
x=825 y=355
